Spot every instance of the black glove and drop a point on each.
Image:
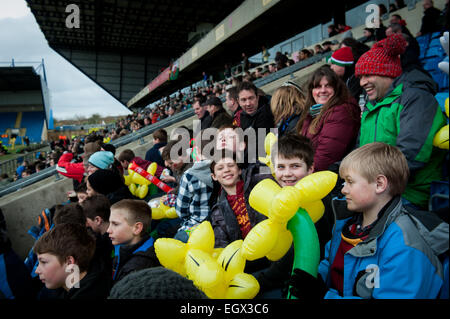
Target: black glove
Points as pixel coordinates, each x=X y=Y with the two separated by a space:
x=305 y=286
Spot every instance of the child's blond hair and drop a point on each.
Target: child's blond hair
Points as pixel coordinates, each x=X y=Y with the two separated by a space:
x=376 y=159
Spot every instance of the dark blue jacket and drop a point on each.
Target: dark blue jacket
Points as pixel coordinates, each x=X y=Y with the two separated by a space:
x=153 y=154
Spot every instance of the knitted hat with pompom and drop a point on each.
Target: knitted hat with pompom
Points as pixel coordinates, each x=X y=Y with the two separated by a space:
x=383 y=58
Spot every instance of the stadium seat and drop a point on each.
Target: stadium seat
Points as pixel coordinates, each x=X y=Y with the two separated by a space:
x=34 y=123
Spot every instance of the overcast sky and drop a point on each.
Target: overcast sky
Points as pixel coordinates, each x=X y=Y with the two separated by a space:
x=72 y=93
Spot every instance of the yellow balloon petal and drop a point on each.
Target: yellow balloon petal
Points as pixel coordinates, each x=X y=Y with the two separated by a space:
x=127 y=179
x=262 y=195
x=142 y=191
x=202 y=269
x=446 y=107
x=285 y=204
x=132 y=188
x=158 y=213
x=216 y=292
x=231 y=259
x=202 y=237
x=171 y=213
x=242 y=286
x=170 y=252
x=138 y=179
x=282 y=245
x=441 y=138
x=316 y=186
x=260 y=240
x=315 y=210
x=216 y=252
x=152 y=168
x=268 y=142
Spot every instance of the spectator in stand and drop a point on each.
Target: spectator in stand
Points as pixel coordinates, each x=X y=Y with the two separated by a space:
x=280 y=60
x=108 y=183
x=369 y=35
x=357 y=47
x=333 y=120
x=318 y=49
x=343 y=28
x=410 y=58
x=159 y=141
x=69 y=166
x=400 y=103
x=256 y=110
x=430 y=19
x=326 y=46
x=129 y=223
x=343 y=64
x=287 y=105
x=100 y=160
x=127 y=156
x=332 y=30
x=202 y=114
x=272 y=68
x=245 y=63
x=67 y=245
x=15 y=281
x=304 y=54
x=232 y=102
x=265 y=54
x=218 y=114
x=396 y=18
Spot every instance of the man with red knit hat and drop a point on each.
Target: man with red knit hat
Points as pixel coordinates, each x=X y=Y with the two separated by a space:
x=403 y=112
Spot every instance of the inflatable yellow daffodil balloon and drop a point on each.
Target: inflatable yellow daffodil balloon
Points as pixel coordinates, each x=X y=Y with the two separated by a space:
x=269 y=141
x=218 y=278
x=441 y=138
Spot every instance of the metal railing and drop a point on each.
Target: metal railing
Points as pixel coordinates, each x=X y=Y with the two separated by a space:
x=141 y=134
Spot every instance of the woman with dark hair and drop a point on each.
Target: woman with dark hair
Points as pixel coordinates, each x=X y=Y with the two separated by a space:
x=333 y=120
x=287 y=105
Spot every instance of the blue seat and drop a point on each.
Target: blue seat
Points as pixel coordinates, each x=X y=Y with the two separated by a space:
x=431 y=63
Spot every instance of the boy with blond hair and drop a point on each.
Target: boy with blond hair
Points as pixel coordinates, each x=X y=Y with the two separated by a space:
x=371 y=253
x=129 y=223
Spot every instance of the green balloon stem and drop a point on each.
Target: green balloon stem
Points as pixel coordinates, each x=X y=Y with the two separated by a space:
x=306 y=244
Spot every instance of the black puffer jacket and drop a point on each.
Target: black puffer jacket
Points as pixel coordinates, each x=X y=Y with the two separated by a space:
x=223 y=219
x=129 y=258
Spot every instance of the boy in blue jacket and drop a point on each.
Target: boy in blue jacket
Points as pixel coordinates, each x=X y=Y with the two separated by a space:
x=383 y=251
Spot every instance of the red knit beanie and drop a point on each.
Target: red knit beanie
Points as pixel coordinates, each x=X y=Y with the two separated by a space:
x=342 y=57
x=383 y=58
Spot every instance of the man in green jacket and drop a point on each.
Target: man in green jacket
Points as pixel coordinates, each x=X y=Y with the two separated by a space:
x=402 y=111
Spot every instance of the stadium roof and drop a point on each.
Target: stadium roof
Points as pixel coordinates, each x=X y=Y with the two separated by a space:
x=135 y=26
x=19 y=79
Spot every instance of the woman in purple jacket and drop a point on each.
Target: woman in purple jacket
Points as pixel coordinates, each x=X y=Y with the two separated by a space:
x=333 y=120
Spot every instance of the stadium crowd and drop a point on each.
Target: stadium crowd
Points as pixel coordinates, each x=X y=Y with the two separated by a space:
x=358 y=116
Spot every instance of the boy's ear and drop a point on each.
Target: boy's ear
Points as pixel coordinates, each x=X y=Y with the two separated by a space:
x=98 y=220
x=382 y=184
x=213 y=177
x=70 y=260
x=138 y=228
x=311 y=169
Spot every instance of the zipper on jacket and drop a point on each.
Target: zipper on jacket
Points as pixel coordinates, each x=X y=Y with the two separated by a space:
x=376 y=126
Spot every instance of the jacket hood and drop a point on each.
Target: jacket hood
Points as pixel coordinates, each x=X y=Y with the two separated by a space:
x=418 y=79
x=202 y=171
